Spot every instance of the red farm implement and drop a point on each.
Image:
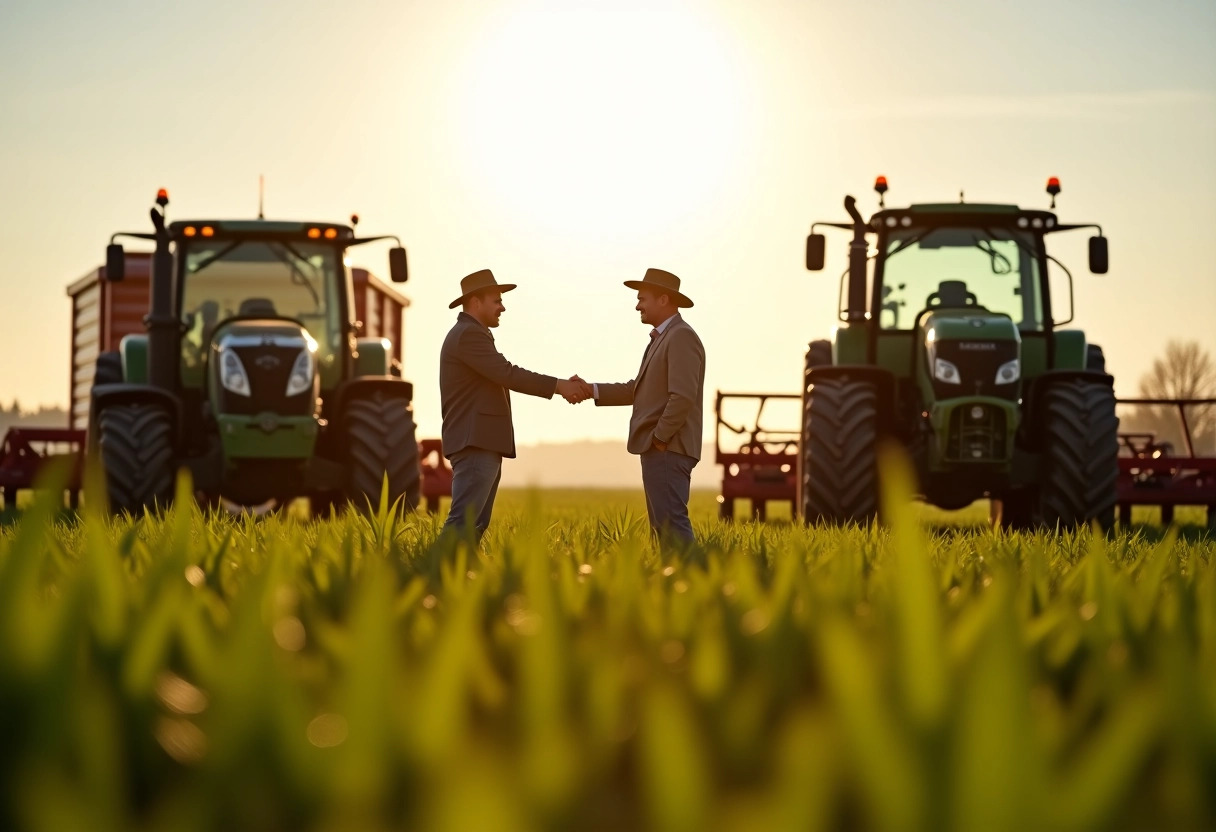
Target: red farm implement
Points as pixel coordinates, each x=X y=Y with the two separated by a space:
x=1167 y=456
x=759 y=464
x=436 y=473
x=25 y=452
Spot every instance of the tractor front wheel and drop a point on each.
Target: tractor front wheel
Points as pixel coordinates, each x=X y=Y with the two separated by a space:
x=1080 y=456
x=839 y=478
x=136 y=444
x=381 y=438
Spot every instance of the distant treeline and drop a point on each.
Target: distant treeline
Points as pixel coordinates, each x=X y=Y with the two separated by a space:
x=44 y=416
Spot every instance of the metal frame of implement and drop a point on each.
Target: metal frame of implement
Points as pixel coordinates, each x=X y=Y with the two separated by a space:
x=765 y=467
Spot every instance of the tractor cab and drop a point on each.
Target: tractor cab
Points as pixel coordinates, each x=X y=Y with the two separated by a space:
x=231 y=281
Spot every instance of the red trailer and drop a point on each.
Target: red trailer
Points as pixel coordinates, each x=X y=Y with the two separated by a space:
x=104 y=312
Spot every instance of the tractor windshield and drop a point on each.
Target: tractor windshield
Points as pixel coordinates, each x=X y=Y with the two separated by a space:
x=289 y=279
x=992 y=268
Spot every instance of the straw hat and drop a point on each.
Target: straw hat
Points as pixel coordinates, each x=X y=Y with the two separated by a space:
x=477 y=281
x=661 y=281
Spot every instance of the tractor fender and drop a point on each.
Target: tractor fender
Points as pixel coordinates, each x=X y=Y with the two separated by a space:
x=882 y=379
x=1033 y=393
x=373 y=357
x=107 y=395
x=363 y=386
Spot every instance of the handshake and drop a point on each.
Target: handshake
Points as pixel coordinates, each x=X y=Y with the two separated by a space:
x=574 y=389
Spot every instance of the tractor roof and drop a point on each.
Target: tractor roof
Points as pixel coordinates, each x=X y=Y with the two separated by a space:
x=959 y=212
x=962 y=207
x=262 y=228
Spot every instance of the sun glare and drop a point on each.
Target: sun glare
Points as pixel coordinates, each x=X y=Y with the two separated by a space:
x=601 y=121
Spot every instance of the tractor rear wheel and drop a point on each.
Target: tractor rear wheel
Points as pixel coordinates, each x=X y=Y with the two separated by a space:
x=136 y=444
x=839 y=477
x=1080 y=455
x=381 y=438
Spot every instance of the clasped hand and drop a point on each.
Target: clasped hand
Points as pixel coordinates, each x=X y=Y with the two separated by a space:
x=574 y=389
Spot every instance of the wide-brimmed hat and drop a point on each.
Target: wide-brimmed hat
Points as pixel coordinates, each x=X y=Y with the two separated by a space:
x=477 y=281
x=661 y=281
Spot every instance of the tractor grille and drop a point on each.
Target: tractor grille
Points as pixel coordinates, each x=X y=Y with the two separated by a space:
x=977 y=434
x=268 y=368
x=977 y=363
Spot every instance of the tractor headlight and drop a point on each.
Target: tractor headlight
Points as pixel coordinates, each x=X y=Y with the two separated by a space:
x=302 y=371
x=946 y=372
x=232 y=374
x=1009 y=372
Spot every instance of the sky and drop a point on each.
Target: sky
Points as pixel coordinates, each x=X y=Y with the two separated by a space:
x=570 y=145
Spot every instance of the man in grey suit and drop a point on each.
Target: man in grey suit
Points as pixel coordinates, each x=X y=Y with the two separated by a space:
x=667 y=396
x=474 y=384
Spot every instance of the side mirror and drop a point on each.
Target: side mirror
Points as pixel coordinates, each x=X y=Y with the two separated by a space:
x=1099 y=259
x=815 y=244
x=397 y=268
x=116 y=262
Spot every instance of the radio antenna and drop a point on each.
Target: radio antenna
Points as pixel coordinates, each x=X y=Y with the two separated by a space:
x=261 y=195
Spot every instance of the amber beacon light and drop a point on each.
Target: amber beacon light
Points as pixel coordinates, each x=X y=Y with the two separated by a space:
x=880 y=185
x=1053 y=188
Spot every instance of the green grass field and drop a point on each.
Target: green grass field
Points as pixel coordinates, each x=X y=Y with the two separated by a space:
x=216 y=672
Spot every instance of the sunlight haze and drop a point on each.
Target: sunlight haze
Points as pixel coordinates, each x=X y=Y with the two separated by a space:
x=568 y=146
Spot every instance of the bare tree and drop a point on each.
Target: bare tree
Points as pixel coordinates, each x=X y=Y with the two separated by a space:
x=1186 y=371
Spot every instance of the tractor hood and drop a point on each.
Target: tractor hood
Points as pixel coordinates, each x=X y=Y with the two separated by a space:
x=263 y=366
x=977 y=327
x=284 y=331
x=971 y=353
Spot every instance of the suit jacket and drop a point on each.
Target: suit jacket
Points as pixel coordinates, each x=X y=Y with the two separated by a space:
x=474 y=380
x=668 y=393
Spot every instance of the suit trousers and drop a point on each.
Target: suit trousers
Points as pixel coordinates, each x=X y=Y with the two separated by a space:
x=667 y=479
x=475 y=476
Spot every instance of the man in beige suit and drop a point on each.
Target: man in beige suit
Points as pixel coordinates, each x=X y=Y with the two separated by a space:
x=475 y=381
x=667 y=396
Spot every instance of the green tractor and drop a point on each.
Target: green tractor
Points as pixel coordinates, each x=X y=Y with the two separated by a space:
x=251 y=374
x=956 y=356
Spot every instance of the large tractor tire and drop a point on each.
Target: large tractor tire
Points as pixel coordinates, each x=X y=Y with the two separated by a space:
x=1080 y=455
x=136 y=445
x=839 y=438
x=108 y=369
x=381 y=437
